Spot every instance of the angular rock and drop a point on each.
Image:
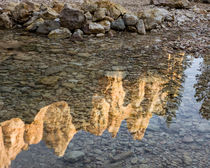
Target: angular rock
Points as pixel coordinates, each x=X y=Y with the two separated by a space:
x=61 y=33
x=32 y=19
x=106 y=24
x=118 y=24
x=130 y=20
x=99 y=14
x=93 y=28
x=131 y=29
x=35 y=25
x=89 y=6
x=49 y=14
x=113 y=10
x=140 y=27
x=88 y=16
x=153 y=17
x=72 y=18
x=5 y=21
x=24 y=11
x=57 y=6
x=77 y=35
x=48 y=26
x=10 y=7
x=74 y=156
x=172 y=3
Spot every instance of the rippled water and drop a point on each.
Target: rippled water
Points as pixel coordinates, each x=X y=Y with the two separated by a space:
x=119 y=102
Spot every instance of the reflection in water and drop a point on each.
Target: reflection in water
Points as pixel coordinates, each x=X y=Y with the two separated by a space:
x=56 y=125
x=93 y=92
x=203 y=88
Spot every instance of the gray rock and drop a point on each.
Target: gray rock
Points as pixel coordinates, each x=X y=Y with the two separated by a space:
x=203 y=127
x=130 y=20
x=61 y=33
x=74 y=156
x=72 y=18
x=1 y=105
x=48 y=26
x=134 y=160
x=118 y=24
x=172 y=3
x=121 y=156
x=88 y=16
x=77 y=35
x=188 y=139
x=93 y=28
x=35 y=25
x=5 y=21
x=54 y=69
x=153 y=17
x=140 y=27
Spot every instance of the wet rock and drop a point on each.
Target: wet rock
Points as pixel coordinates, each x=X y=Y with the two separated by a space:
x=49 y=80
x=88 y=16
x=74 y=156
x=35 y=25
x=172 y=3
x=188 y=139
x=121 y=156
x=5 y=21
x=187 y=158
x=113 y=165
x=140 y=27
x=130 y=20
x=106 y=24
x=153 y=17
x=61 y=33
x=1 y=105
x=48 y=26
x=134 y=160
x=24 y=10
x=99 y=14
x=72 y=18
x=118 y=24
x=203 y=127
x=49 y=14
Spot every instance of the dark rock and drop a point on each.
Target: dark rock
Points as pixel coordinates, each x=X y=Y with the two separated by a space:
x=72 y=18
x=48 y=26
x=118 y=24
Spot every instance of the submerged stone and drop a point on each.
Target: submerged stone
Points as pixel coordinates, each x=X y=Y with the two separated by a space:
x=74 y=156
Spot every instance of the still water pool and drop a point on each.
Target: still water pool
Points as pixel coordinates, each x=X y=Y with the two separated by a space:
x=112 y=102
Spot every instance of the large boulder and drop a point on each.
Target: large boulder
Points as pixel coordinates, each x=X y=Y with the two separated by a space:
x=48 y=26
x=118 y=24
x=24 y=11
x=172 y=3
x=153 y=17
x=72 y=18
x=5 y=21
x=61 y=33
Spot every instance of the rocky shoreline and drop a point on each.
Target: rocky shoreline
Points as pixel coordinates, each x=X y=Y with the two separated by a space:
x=98 y=18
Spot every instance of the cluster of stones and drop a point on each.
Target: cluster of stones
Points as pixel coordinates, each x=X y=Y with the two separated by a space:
x=68 y=20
